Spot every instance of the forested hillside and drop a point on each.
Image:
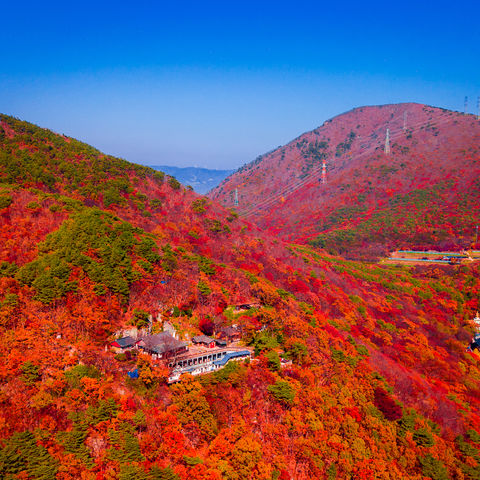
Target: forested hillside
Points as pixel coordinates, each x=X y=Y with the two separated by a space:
x=424 y=193
x=360 y=370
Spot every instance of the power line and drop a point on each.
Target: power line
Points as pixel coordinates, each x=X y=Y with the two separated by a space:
x=443 y=118
x=293 y=187
x=300 y=183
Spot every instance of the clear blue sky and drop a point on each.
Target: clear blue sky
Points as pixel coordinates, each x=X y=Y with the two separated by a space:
x=217 y=83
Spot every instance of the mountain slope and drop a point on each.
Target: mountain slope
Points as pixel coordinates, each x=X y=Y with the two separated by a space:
x=423 y=194
x=380 y=385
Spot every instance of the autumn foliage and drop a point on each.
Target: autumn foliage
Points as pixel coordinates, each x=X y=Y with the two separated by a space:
x=360 y=370
x=423 y=194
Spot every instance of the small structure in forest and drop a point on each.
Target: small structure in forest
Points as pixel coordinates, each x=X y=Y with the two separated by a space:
x=475 y=342
x=123 y=344
x=205 y=362
x=230 y=334
x=204 y=340
x=476 y=323
x=162 y=345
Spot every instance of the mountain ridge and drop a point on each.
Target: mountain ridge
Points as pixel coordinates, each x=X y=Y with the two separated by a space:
x=285 y=186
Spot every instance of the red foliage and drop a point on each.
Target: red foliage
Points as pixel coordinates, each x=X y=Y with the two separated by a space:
x=346 y=329
x=427 y=179
x=385 y=403
x=206 y=326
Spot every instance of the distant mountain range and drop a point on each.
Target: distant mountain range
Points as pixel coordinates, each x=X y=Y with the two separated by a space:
x=201 y=179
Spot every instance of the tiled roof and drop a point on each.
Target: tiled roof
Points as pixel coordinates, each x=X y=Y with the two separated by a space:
x=202 y=339
x=125 y=342
x=229 y=330
x=161 y=342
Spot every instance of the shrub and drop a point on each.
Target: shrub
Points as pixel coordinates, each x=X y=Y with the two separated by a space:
x=423 y=438
x=5 y=201
x=159 y=176
x=387 y=405
x=204 y=288
x=74 y=375
x=140 y=318
x=21 y=454
x=283 y=392
x=433 y=468
x=264 y=341
x=155 y=203
x=273 y=361
x=7 y=269
x=199 y=205
x=31 y=372
x=174 y=183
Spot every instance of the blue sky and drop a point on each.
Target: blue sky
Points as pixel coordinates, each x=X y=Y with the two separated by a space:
x=215 y=84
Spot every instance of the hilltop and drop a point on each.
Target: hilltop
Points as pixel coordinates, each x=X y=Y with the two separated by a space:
x=375 y=381
x=423 y=194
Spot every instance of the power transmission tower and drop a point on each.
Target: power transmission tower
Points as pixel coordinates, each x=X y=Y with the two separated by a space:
x=235 y=202
x=465 y=105
x=387 y=142
x=324 y=172
x=404 y=120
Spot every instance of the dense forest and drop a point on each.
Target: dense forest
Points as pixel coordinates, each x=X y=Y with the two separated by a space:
x=359 y=372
